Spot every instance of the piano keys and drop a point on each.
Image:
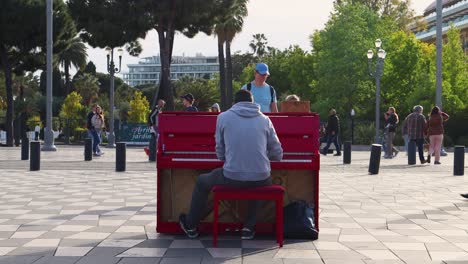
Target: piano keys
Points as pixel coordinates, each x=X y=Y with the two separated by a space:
x=186 y=149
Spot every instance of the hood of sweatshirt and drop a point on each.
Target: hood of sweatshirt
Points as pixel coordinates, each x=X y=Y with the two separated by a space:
x=246 y=109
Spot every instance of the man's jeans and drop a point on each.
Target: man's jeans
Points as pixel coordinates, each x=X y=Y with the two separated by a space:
x=330 y=139
x=420 y=146
x=203 y=188
x=93 y=135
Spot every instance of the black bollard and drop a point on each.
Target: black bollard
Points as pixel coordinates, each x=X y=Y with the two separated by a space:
x=374 y=162
x=88 y=149
x=120 y=156
x=459 y=161
x=24 y=148
x=35 y=161
x=347 y=153
x=411 y=152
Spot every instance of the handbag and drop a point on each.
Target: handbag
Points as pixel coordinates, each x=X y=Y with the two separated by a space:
x=299 y=221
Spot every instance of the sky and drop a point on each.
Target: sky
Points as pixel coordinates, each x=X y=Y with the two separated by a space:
x=282 y=25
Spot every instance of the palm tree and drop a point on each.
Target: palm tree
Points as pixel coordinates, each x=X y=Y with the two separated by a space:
x=88 y=87
x=73 y=55
x=230 y=23
x=219 y=31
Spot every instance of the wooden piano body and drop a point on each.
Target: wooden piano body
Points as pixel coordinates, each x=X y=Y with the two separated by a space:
x=186 y=149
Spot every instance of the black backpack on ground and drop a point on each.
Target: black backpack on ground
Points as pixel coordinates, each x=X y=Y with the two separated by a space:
x=299 y=221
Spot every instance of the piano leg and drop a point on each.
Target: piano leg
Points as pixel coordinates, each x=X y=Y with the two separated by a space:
x=279 y=221
x=215 y=221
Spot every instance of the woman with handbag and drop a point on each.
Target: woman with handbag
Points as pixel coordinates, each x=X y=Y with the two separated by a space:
x=391 y=125
x=435 y=131
x=98 y=123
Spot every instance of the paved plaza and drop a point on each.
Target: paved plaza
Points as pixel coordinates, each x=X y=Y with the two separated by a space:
x=72 y=211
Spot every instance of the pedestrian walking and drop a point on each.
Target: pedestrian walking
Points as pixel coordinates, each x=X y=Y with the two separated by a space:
x=415 y=124
x=98 y=123
x=390 y=127
x=332 y=132
x=435 y=131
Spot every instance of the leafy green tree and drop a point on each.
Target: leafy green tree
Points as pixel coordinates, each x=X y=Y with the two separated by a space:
x=205 y=91
x=139 y=108
x=87 y=86
x=454 y=73
x=23 y=39
x=57 y=83
x=71 y=111
x=170 y=16
x=239 y=62
x=74 y=55
x=406 y=64
x=398 y=11
x=340 y=59
x=90 y=68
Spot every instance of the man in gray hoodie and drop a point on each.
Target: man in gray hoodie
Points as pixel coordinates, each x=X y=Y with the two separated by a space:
x=246 y=141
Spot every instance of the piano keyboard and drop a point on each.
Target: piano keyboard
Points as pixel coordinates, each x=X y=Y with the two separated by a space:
x=217 y=160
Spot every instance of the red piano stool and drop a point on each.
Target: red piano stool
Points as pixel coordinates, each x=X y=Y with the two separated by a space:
x=272 y=192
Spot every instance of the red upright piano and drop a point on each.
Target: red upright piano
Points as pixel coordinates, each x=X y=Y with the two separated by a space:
x=186 y=149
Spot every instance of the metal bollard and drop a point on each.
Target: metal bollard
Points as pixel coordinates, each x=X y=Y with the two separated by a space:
x=374 y=162
x=411 y=152
x=88 y=149
x=347 y=153
x=35 y=161
x=120 y=156
x=459 y=161
x=25 y=148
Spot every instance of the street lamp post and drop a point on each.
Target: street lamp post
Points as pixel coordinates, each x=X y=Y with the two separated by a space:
x=377 y=73
x=353 y=113
x=112 y=70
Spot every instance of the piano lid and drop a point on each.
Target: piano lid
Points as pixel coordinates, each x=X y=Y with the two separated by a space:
x=194 y=132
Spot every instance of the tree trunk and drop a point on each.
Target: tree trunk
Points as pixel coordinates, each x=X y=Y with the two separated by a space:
x=166 y=40
x=67 y=78
x=9 y=95
x=222 y=74
x=228 y=74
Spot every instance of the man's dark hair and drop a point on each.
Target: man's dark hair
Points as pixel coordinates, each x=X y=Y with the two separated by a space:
x=243 y=96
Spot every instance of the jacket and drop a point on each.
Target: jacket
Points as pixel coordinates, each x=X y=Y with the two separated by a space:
x=333 y=125
x=246 y=140
x=435 y=124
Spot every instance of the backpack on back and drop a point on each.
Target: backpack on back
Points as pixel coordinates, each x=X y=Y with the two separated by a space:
x=272 y=91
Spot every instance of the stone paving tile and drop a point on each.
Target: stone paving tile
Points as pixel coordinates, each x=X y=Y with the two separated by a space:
x=398 y=216
x=57 y=260
x=18 y=259
x=140 y=261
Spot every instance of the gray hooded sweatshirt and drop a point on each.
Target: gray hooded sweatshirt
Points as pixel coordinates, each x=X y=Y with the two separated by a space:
x=246 y=140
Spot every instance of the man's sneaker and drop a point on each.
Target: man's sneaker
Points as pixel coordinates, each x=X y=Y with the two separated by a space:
x=396 y=153
x=337 y=154
x=247 y=233
x=191 y=233
x=96 y=154
x=101 y=152
x=464 y=195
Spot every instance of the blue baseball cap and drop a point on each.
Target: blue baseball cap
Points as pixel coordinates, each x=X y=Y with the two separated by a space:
x=262 y=68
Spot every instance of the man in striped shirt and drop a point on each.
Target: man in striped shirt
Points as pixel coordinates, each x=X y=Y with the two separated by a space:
x=414 y=125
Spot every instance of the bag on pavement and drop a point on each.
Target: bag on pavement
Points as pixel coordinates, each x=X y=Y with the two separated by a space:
x=299 y=221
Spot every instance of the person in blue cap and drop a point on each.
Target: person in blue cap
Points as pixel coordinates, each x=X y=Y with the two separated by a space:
x=264 y=94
